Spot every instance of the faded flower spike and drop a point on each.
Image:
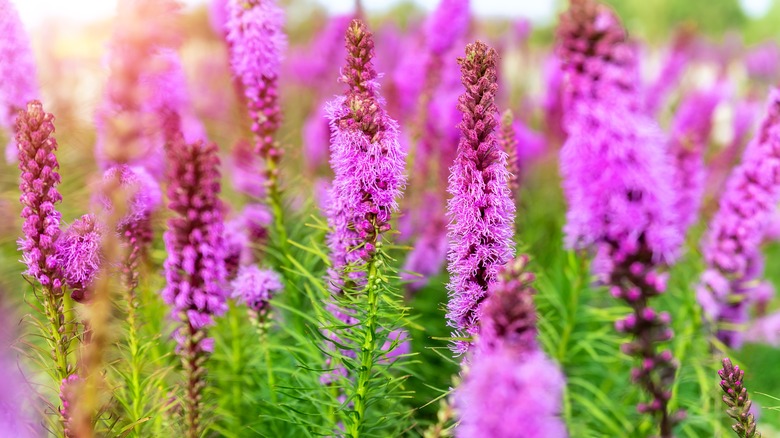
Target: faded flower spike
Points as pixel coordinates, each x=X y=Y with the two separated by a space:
x=736 y=398
x=481 y=210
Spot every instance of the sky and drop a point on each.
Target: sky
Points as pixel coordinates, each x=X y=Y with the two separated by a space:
x=36 y=12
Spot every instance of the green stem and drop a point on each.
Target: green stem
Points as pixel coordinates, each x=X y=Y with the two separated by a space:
x=367 y=350
x=262 y=331
x=54 y=308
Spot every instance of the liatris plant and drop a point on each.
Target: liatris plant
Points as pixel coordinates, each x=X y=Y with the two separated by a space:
x=616 y=178
x=481 y=210
x=368 y=166
x=732 y=245
x=736 y=398
x=19 y=84
x=78 y=249
x=511 y=388
x=39 y=179
x=195 y=267
x=256 y=40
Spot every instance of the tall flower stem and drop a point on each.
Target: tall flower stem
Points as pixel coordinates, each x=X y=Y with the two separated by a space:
x=367 y=353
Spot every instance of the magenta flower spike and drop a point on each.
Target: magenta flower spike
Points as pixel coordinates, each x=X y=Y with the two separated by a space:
x=510 y=387
x=256 y=45
x=617 y=180
x=481 y=210
x=366 y=158
x=20 y=83
x=38 y=165
x=731 y=246
x=195 y=268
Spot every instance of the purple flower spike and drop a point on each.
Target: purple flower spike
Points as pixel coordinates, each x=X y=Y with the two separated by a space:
x=510 y=389
x=732 y=245
x=195 y=268
x=254 y=32
x=617 y=177
x=39 y=180
x=78 y=253
x=481 y=210
x=736 y=398
x=366 y=159
x=255 y=287
x=19 y=84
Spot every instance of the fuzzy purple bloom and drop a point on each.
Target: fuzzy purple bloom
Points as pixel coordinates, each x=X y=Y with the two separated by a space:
x=38 y=165
x=616 y=175
x=19 y=84
x=366 y=159
x=195 y=269
x=732 y=244
x=78 y=253
x=446 y=25
x=481 y=210
x=690 y=135
x=254 y=287
x=510 y=396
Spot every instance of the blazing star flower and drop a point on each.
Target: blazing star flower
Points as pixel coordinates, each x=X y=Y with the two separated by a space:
x=732 y=245
x=195 y=269
x=38 y=165
x=616 y=176
x=146 y=194
x=254 y=287
x=366 y=158
x=19 y=84
x=78 y=254
x=256 y=46
x=481 y=210
x=510 y=388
